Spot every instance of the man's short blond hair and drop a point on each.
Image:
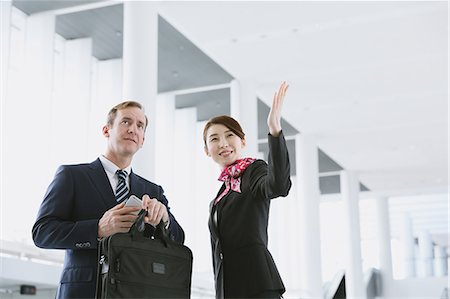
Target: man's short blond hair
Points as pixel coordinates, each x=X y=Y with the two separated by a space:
x=113 y=112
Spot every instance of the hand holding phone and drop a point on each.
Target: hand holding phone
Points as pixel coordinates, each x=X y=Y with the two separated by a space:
x=133 y=201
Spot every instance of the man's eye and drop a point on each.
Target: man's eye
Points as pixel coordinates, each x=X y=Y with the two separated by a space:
x=213 y=139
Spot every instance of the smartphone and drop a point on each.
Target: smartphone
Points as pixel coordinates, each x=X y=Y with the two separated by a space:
x=134 y=201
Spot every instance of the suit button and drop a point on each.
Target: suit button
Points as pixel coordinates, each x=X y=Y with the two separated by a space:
x=83 y=245
x=221 y=256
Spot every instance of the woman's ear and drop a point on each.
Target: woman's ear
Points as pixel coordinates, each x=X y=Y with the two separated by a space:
x=244 y=143
x=206 y=151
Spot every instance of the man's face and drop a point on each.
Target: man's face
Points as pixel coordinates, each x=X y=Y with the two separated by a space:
x=127 y=133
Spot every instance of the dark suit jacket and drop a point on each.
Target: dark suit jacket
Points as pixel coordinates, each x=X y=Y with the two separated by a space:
x=243 y=267
x=68 y=219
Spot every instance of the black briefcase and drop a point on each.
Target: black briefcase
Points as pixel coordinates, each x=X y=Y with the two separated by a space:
x=134 y=266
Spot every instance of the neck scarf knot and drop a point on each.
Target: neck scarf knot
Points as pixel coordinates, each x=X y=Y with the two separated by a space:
x=231 y=175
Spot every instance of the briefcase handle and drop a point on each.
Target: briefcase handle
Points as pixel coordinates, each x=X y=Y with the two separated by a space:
x=139 y=223
x=139 y=226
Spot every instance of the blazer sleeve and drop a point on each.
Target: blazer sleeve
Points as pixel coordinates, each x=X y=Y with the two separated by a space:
x=272 y=180
x=55 y=227
x=175 y=229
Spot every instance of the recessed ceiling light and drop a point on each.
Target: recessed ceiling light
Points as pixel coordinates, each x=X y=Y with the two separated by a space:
x=234 y=40
x=118 y=33
x=175 y=74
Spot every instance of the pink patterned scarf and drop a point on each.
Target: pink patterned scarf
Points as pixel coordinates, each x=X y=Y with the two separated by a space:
x=231 y=175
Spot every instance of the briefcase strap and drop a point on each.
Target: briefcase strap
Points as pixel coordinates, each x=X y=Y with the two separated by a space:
x=161 y=232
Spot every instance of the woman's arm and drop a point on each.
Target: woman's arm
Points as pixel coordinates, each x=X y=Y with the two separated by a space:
x=273 y=180
x=274 y=118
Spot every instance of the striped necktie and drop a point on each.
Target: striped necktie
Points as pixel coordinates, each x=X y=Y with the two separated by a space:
x=121 y=189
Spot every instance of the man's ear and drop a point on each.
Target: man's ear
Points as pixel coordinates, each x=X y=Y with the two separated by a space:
x=142 y=144
x=105 y=130
x=244 y=143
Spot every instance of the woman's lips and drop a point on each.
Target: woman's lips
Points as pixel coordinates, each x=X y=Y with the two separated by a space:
x=225 y=153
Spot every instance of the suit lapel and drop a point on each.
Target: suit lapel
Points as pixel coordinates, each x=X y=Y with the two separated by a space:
x=136 y=185
x=214 y=209
x=100 y=181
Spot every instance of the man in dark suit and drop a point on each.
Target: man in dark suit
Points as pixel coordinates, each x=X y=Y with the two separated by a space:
x=86 y=202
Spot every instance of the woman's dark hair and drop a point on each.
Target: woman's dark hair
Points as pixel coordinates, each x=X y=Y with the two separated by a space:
x=228 y=122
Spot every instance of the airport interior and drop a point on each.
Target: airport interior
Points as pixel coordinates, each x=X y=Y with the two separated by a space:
x=365 y=120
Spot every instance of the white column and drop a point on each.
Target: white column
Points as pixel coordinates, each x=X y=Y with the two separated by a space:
x=5 y=13
x=308 y=192
x=183 y=199
x=353 y=272
x=425 y=254
x=206 y=187
x=35 y=93
x=184 y=171
x=244 y=108
x=165 y=149
x=440 y=261
x=407 y=241
x=140 y=69
x=384 y=242
x=71 y=104
x=106 y=92
x=37 y=80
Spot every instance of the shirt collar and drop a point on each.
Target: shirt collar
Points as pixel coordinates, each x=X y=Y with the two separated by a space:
x=110 y=167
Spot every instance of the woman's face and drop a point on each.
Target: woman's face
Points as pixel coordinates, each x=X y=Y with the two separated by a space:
x=223 y=146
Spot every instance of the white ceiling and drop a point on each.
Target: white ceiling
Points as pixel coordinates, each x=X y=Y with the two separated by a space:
x=369 y=80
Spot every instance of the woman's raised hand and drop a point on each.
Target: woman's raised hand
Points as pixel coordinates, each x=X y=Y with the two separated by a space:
x=274 y=118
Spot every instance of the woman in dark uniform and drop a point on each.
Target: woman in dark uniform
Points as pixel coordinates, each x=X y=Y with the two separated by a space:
x=243 y=267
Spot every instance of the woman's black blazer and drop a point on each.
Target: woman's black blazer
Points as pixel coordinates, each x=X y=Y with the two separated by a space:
x=243 y=267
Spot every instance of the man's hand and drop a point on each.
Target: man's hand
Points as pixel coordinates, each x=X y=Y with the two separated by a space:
x=116 y=220
x=156 y=210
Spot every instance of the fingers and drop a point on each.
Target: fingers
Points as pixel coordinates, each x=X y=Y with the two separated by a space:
x=116 y=220
x=283 y=88
x=145 y=201
x=156 y=210
x=119 y=206
x=156 y=215
x=279 y=96
x=274 y=118
x=129 y=210
x=119 y=219
x=281 y=93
